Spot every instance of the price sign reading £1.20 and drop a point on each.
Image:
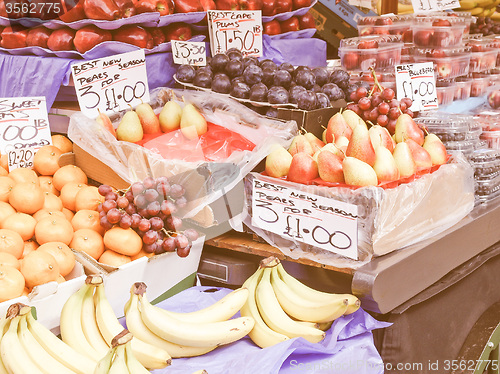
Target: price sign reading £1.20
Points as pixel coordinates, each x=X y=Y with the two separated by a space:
x=112 y=83
x=305 y=217
x=190 y=53
x=24 y=128
x=240 y=29
x=417 y=82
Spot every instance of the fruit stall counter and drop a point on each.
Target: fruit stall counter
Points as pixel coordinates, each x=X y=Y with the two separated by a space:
x=450 y=277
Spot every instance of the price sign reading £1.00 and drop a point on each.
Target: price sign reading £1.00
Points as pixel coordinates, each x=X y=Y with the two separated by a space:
x=417 y=82
x=24 y=128
x=305 y=217
x=190 y=53
x=112 y=83
x=240 y=29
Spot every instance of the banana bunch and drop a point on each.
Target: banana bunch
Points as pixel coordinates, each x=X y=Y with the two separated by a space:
x=485 y=8
x=88 y=324
x=285 y=308
x=28 y=347
x=187 y=334
x=120 y=358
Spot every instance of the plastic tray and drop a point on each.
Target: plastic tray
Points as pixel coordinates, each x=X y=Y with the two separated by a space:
x=492 y=137
x=445 y=93
x=480 y=83
x=445 y=128
x=462 y=88
x=425 y=35
x=488 y=187
x=449 y=63
x=466 y=147
x=483 y=61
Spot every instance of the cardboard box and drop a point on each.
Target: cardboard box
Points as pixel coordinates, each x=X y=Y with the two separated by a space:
x=164 y=274
x=49 y=298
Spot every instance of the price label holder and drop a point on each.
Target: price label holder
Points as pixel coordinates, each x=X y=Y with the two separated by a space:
x=240 y=29
x=417 y=82
x=305 y=217
x=111 y=84
x=425 y=6
x=189 y=53
x=24 y=128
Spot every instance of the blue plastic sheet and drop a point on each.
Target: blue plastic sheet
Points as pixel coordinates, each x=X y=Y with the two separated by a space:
x=348 y=346
x=306 y=51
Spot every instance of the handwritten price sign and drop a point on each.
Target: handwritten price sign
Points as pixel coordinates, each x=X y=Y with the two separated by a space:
x=424 y=6
x=111 y=84
x=238 y=29
x=305 y=217
x=190 y=53
x=417 y=82
x=24 y=128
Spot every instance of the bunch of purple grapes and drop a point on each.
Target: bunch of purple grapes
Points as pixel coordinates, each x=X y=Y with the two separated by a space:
x=149 y=208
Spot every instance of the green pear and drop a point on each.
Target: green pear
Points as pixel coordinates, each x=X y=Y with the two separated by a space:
x=170 y=116
x=193 y=124
x=278 y=162
x=330 y=167
x=385 y=166
x=435 y=147
x=149 y=121
x=352 y=119
x=404 y=160
x=406 y=128
x=358 y=173
x=130 y=128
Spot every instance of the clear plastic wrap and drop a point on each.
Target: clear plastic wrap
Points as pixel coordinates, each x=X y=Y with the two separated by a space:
x=388 y=219
x=203 y=180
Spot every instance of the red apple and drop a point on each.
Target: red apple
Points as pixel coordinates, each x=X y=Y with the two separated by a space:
x=3 y=11
x=164 y=7
x=307 y=21
x=72 y=11
x=407 y=36
x=350 y=61
x=494 y=99
x=135 y=35
x=272 y=27
x=127 y=8
x=366 y=31
x=381 y=31
x=441 y=22
x=422 y=38
x=208 y=5
x=444 y=69
x=383 y=21
x=61 y=40
x=250 y=4
x=441 y=39
x=476 y=47
x=89 y=36
x=158 y=35
x=14 y=37
x=38 y=36
x=368 y=44
x=283 y=6
x=297 y=4
x=106 y=10
x=268 y=7
x=178 y=31
x=188 y=6
x=227 y=4
x=291 y=24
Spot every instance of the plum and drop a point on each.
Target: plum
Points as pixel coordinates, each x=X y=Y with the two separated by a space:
x=333 y=92
x=202 y=80
x=282 y=78
x=234 y=68
x=298 y=69
x=307 y=100
x=258 y=92
x=186 y=73
x=322 y=75
x=293 y=93
x=240 y=90
x=268 y=64
x=268 y=77
x=221 y=83
x=323 y=100
x=277 y=95
x=287 y=66
x=219 y=62
x=205 y=69
x=249 y=60
x=272 y=112
x=316 y=88
x=252 y=74
x=305 y=78
x=234 y=54
x=340 y=77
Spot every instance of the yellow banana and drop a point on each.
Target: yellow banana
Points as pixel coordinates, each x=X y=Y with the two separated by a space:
x=468 y=4
x=119 y=365
x=133 y=364
x=476 y=11
x=89 y=324
x=3 y=326
x=104 y=363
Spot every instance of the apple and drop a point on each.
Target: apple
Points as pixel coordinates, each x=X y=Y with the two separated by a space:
x=187 y=6
x=365 y=31
x=61 y=39
x=72 y=11
x=158 y=35
x=381 y=31
x=272 y=27
x=422 y=38
x=284 y=6
x=38 y=36
x=407 y=36
x=476 y=47
x=178 y=31
x=494 y=99
x=297 y=4
x=368 y=44
x=135 y=35
x=307 y=21
x=291 y=24
x=250 y=4
x=89 y=36
x=350 y=60
x=383 y=21
x=441 y=39
x=127 y=8
x=441 y=22
x=227 y=5
x=268 y=7
x=444 y=69
x=14 y=37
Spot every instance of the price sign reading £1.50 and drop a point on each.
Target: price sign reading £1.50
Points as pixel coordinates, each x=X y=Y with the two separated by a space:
x=112 y=83
x=417 y=82
x=24 y=128
x=240 y=29
x=305 y=217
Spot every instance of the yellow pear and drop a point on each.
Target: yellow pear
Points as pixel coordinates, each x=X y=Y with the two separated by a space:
x=193 y=124
x=130 y=128
x=149 y=120
x=170 y=116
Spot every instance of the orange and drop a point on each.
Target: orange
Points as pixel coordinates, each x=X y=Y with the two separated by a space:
x=6 y=185
x=39 y=267
x=42 y=213
x=68 y=214
x=68 y=173
x=63 y=255
x=124 y=241
x=26 y=291
x=52 y=202
x=62 y=142
x=26 y=197
x=60 y=279
x=88 y=198
x=112 y=258
x=21 y=175
x=46 y=184
x=53 y=229
x=4 y=161
x=3 y=171
x=88 y=241
x=68 y=194
x=8 y=259
x=142 y=253
x=11 y=242
x=5 y=210
x=29 y=246
x=22 y=223
x=11 y=283
x=87 y=219
x=46 y=160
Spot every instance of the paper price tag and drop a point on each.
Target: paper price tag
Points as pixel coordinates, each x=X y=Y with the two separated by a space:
x=24 y=128
x=308 y=218
x=111 y=84
x=424 y=6
x=190 y=53
x=417 y=82
x=238 y=29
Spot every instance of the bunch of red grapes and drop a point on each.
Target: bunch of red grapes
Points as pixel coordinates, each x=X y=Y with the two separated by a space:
x=149 y=208
x=379 y=107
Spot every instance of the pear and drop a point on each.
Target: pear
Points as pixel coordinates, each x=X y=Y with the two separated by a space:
x=313 y=140
x=337 y=126
x=420 y=155
x=149 y=120
x=193 y=124
x=130 y=128
x=300 y=144
x=170 y=116
x=278 y=162
x=331 y=148
x=380 y=136
x=330 y=167
x=358 y=173
x=341 y=143
x=404 y=160
x=406 y=128
x=303 y=168
x=436 y=149
x=352 y=119
x=323 y=137
x=385 y=166
x=103 y=120
x=360 y=146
